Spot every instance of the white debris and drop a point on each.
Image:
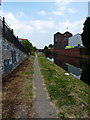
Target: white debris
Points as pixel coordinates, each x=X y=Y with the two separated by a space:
x=66 y=73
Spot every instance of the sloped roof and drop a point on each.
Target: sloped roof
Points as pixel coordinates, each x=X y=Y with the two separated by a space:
x=67 y=33
x=22 y=39
x=58 y=33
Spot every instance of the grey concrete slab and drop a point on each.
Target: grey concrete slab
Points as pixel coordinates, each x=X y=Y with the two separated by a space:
x=41 y=104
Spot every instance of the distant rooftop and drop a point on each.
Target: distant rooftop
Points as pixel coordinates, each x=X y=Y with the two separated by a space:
x=58 y=33
x=67 y=32
x=22 y=39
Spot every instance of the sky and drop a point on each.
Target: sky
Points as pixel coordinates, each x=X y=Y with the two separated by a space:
x=39 y=21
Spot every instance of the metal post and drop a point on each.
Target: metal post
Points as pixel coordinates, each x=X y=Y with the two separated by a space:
x=3 y=31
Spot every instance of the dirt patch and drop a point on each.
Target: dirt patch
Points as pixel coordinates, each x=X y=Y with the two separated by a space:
x=17 y=92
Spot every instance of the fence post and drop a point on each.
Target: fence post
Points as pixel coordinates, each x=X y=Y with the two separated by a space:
x=3 y=31
x=12 y=31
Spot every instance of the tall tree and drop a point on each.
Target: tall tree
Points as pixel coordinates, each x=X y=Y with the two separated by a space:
x=86 y=33
x=50 y=46
x=45 y=48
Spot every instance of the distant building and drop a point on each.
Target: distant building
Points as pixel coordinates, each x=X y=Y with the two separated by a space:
x=57 y=40
x=89 y=8
x=21 y=39
x=61 y=40
x=75 y=41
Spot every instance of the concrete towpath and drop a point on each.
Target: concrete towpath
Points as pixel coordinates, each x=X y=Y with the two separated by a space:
x=41 y=105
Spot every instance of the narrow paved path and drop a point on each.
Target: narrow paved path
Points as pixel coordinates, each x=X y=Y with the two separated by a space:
x=41 y=105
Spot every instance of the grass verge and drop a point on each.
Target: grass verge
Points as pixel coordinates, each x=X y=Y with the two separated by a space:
x=27 y=76
x=69 y=94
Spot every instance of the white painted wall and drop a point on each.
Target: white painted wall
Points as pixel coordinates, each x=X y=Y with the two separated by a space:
x=75 y=40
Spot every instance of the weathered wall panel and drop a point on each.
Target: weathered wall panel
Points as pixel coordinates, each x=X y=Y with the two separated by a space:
x=11 y=56
x=12 y=52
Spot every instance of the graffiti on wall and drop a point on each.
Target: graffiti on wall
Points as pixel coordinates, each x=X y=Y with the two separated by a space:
x=12 y=52
x=11 y=56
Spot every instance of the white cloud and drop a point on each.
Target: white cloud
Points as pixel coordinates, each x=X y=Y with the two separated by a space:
x=25 y=28
x=72 y=10
x=63 y=2
x=62 y=6
x=73 y=27
x=10 y=16
x=57 y=13
x=21 y=28
x=42 y=12
x=42 y=25
x=50 y=18
x=1 y=13
x=20 y=14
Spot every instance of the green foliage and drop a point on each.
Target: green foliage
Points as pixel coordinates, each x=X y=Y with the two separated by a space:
x=86 y=33
x=61 y=115
x=29 y=46
x=34 y=49
x=45 y=48
x=50 y=46
x=68 y=47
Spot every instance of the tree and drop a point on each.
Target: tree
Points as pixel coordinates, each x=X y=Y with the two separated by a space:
x=34 y=49
x=45 y=48
x=27 y=45
x=86 y=33
x=50 y=46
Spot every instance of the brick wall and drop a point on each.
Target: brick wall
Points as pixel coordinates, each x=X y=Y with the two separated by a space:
x=74 y=52
x=83 y=53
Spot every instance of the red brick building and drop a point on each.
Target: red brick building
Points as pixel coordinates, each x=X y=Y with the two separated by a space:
x=61 y=40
